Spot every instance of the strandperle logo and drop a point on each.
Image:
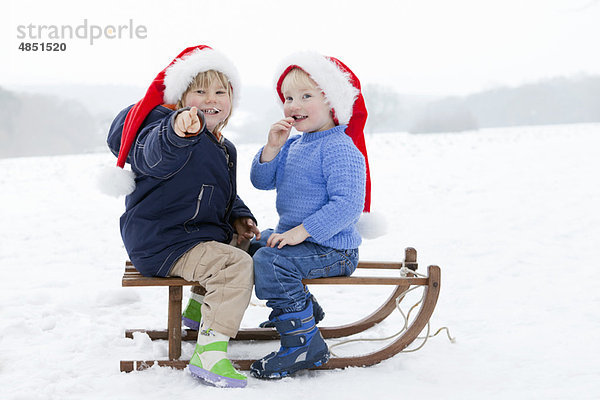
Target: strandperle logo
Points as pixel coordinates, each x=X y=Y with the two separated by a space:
x=86 y=31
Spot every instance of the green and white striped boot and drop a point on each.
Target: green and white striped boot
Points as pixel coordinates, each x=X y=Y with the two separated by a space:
x=210 y=362
x=192 y=315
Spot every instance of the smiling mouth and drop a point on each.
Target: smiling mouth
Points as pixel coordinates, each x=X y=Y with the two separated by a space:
x=212 y=110
x=299 y=117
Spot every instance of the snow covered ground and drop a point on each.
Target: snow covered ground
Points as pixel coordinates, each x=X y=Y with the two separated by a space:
x=510 y=215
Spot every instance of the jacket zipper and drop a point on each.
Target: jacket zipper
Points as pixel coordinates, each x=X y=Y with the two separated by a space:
x=198 y=201
x=229 y=166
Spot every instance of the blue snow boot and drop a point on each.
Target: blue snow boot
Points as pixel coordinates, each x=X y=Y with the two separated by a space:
x=302 y=346
x=318 y=314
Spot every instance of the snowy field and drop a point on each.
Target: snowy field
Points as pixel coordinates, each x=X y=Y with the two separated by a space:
x=510 y=215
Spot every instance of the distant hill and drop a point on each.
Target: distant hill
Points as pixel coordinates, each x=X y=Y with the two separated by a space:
x=548 y=102
x=34 y=124
x=61 y=119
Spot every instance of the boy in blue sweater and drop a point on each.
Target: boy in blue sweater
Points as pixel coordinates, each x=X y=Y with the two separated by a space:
x=182 y=210
x=322 y=184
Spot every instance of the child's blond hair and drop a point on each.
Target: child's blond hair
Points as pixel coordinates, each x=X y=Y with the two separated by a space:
x=205 y=80
x=298 y=78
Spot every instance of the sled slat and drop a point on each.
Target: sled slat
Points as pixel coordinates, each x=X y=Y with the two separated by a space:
x=133 y=279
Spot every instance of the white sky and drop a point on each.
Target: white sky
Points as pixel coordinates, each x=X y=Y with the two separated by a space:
x=416 y=46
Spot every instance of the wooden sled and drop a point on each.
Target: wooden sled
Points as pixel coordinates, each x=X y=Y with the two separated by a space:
x=174 y=335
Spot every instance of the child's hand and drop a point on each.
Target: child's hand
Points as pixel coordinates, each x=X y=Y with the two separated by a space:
x=187 y=123
x=293 y=236
x=278 y=134
x=246 y=229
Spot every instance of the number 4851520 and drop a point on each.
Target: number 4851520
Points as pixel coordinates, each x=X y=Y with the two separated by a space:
x=44 y=46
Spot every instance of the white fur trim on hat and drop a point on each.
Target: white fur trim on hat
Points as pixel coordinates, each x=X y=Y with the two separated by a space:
x=336 y=84
x=179 y=75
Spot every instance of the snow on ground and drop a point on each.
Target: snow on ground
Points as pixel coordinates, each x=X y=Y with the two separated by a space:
x=510 y=215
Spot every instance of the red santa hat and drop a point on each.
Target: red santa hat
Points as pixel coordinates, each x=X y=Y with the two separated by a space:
x=167 y=88
x=343 y=93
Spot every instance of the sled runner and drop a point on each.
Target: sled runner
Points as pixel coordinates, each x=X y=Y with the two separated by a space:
x=400 y=284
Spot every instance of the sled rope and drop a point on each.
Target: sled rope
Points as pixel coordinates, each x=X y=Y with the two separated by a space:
x=404 y=272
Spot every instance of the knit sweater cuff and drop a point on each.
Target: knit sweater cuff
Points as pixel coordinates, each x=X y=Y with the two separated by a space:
x=262 y=175
x=317 y=230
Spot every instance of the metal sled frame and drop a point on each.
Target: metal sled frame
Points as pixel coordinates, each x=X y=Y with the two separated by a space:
x=173 y=334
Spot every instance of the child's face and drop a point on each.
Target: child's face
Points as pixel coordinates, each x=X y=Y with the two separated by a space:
x=307 y=106
x=213 y=101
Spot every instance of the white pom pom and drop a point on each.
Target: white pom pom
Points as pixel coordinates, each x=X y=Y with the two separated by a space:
x=371 y=225
x=115 y=181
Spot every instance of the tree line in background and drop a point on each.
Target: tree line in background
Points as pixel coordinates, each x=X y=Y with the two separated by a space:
x=34 y=124
x=552 y=101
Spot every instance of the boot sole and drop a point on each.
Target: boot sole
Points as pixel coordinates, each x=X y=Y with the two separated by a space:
x=216 y=380
x=190 y=323
x=295 y=368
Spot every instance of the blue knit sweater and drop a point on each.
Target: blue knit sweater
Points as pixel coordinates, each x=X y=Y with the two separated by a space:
x=320 y=181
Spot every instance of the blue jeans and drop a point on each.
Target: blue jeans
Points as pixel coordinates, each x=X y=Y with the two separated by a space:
x=278 y=273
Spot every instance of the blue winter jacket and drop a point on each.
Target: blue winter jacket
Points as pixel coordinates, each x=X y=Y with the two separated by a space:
x=185 y=192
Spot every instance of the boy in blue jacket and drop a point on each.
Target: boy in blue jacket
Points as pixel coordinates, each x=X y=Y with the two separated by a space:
x=183 y=210
x=322 y=183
